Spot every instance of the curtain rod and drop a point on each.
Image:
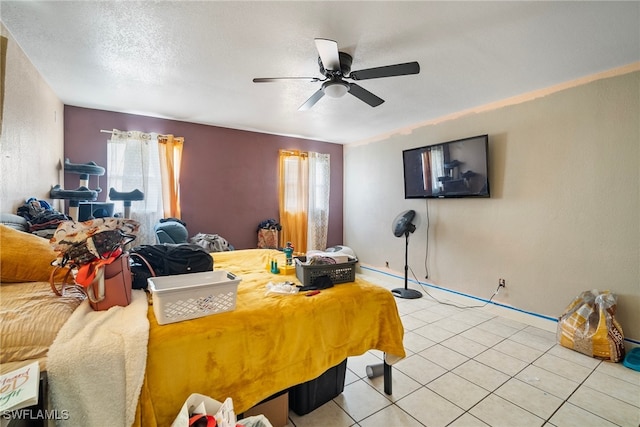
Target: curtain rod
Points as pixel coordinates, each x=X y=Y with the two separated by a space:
x=295 y=152
x=121 y=131
x=126 y=131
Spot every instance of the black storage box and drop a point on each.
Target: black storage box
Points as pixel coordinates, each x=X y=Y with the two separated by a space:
x=308 y=396
x=91 y=210
x=338 y=273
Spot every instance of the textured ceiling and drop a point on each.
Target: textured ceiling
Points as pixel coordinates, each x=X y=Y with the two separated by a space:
x=195 y=61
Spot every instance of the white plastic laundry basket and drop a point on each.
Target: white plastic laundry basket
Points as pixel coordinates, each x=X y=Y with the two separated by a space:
x=188 y=296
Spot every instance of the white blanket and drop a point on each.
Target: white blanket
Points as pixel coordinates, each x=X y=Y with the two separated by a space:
x=96 y=364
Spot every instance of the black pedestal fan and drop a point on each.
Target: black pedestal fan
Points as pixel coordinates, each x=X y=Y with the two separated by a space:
x=402 y=225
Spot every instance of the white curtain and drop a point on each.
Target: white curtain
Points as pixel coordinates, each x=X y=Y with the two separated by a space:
x=318 y=210
x=133 y=163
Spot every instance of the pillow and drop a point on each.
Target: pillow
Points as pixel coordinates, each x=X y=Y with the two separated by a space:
x=25 y=257
x=14 y=221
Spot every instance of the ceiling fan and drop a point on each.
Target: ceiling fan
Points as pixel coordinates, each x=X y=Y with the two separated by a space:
x=335 y=66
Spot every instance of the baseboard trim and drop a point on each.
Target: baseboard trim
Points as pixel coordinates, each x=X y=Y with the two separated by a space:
x=528 y=317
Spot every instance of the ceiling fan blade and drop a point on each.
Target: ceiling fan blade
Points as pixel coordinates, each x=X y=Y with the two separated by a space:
x=364 y=95
x=278 y=79
x=312 y=101
x=328 y=51
x=386 y=71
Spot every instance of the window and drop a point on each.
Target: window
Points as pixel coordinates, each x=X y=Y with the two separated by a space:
x=304 y=199
x=318 y=212
x=133 y=163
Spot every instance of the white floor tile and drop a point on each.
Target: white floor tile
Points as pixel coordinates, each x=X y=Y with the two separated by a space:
x=532 y=340
x=411 y=323
x=498 y=412
x=429 y=408
x=464 y=346
x=472 y=316
x=419 y=369
x=445 y=309
x=407 y=309
x=444 y=356
x=563 y=367
x=360 y=400
x=517 y=350
x=607 y=407
x=481 y=336
x=532 y=399
x=358 y=364
x=427 y=316
x=615 y=387
x=496 y=327
x=510 y=322
x=390 y=416
x=458 y=390
x=501 y=362
x=620 y=371
x=571 y=416
x=467 y=420
x=416 y=342
x=482 y=375
x=318 y=417
x=434 y=333
x=350 y=377
x=547 y=381
x=574 y=356
x=547 y=335
x=472 y=367
x=401 y=385
x=452 y=325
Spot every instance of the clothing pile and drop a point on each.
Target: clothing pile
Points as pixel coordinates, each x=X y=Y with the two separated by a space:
x=211 y=242
x=269 y=224
x=90 y=245
x=42 y=219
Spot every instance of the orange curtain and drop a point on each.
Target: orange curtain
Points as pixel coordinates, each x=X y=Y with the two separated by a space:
x=170 y=150
x=293 y=195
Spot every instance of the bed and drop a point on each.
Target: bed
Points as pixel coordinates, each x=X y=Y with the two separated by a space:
x=268 y=344
x=30 y=313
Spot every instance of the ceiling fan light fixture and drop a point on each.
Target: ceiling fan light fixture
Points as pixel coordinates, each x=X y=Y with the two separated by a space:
x=336 y=66
x=335 y=89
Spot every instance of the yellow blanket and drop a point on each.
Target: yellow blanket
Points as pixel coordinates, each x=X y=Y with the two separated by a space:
x=267 y=344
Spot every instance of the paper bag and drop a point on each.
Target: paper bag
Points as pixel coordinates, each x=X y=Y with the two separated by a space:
x=200 y=404
x=267 y=238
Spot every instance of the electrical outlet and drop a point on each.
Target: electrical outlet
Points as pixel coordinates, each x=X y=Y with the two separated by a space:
x=502 y=283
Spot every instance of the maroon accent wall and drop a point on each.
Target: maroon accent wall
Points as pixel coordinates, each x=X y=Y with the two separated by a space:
x=229 y=181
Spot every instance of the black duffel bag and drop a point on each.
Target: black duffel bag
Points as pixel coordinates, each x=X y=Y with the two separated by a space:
x=165 y=260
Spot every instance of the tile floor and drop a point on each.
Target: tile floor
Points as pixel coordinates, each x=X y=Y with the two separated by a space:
x=471 y=367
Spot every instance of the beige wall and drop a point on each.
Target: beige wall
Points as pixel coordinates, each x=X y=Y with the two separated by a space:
x=564 y=215
x=31 y=139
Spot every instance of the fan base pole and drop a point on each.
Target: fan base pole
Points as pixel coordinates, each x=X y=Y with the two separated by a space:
x=406 y=293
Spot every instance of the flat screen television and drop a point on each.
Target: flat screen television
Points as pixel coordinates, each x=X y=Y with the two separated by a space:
x=450 y=169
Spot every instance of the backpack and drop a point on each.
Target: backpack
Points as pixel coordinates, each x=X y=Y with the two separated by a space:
x=165 y=260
